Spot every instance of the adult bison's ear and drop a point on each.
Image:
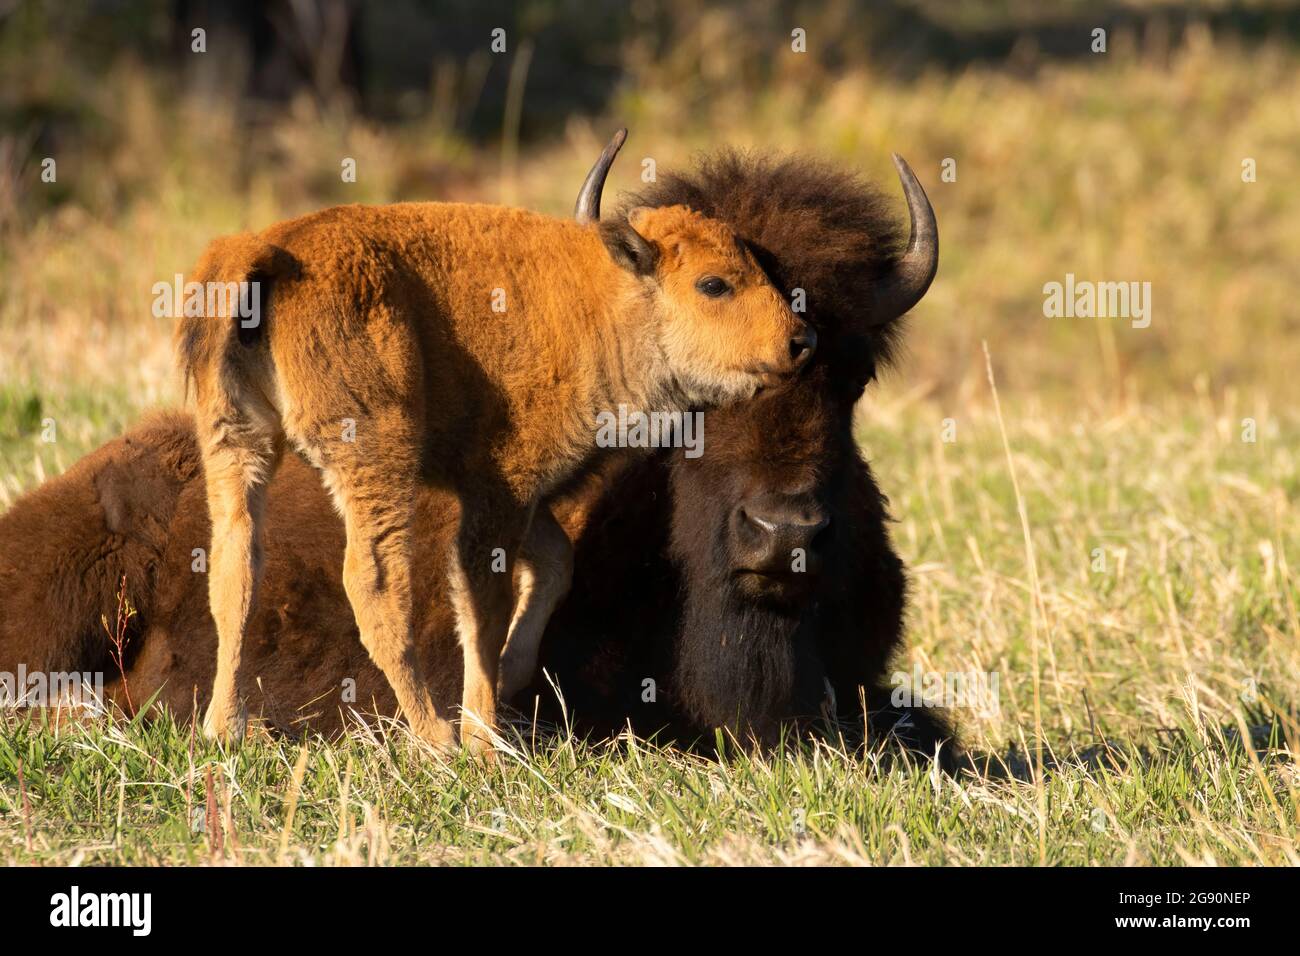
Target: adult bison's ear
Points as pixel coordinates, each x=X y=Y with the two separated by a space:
x=627 y=247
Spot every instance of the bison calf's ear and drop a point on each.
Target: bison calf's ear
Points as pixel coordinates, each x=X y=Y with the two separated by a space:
x=629 y=248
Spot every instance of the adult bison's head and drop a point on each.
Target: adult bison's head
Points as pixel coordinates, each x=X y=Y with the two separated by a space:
x=778 y=527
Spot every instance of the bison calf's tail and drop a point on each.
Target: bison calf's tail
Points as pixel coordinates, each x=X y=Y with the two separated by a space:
x=224 y=353
x=225 y=306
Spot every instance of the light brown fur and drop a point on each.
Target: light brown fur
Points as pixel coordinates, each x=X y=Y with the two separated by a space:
x=383 y=315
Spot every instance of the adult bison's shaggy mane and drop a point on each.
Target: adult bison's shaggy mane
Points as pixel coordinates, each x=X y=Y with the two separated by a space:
x=837 y=233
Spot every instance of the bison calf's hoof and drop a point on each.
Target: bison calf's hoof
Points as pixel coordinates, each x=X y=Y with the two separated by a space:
x=515 y=674
x=478 y=742
x=226 y=724
x=436 y=732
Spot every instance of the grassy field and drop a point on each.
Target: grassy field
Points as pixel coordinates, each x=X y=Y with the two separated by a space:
x=1125 y=561
x=1166 y=658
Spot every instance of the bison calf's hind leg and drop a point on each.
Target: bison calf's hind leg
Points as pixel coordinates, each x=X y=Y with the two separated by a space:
x=376 y=500
x=238 y=465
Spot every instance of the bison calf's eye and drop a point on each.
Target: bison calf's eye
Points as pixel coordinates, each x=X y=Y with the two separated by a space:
x=713 y=287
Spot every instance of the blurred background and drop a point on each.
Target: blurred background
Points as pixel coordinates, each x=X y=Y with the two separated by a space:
x=1124 y=165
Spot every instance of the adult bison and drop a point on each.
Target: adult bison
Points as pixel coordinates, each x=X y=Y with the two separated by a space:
x=749 y=588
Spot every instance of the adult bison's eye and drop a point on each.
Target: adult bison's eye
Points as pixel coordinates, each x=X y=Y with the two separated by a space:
x=713 y=287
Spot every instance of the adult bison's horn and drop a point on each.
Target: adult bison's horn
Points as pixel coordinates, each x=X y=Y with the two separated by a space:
x=904 y=287
x=587 y=208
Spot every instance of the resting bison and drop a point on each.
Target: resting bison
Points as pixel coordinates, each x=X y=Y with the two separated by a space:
x=683 y=566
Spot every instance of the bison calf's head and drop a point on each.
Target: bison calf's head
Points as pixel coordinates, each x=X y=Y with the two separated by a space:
x=724 y=329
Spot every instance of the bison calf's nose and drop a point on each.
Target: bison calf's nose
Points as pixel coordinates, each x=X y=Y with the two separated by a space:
x=802 y=346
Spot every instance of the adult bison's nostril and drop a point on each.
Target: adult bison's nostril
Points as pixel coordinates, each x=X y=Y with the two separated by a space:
x=769 y=532
x=798 y=528
x=802 y=347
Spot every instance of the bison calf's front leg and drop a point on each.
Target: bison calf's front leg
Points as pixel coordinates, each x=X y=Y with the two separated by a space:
x=542 y=580
x=482 y=570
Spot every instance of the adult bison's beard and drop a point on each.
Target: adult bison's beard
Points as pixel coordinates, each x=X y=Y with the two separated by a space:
x=744 y=667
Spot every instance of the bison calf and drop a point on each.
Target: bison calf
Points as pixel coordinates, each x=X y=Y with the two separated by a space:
x=465 y=347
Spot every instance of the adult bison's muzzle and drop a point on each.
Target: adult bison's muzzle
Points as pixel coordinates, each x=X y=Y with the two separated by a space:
x=776 y=543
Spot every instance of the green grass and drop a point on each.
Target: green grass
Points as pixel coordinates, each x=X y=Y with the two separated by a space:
x=124 y=793
x=1147 y=674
